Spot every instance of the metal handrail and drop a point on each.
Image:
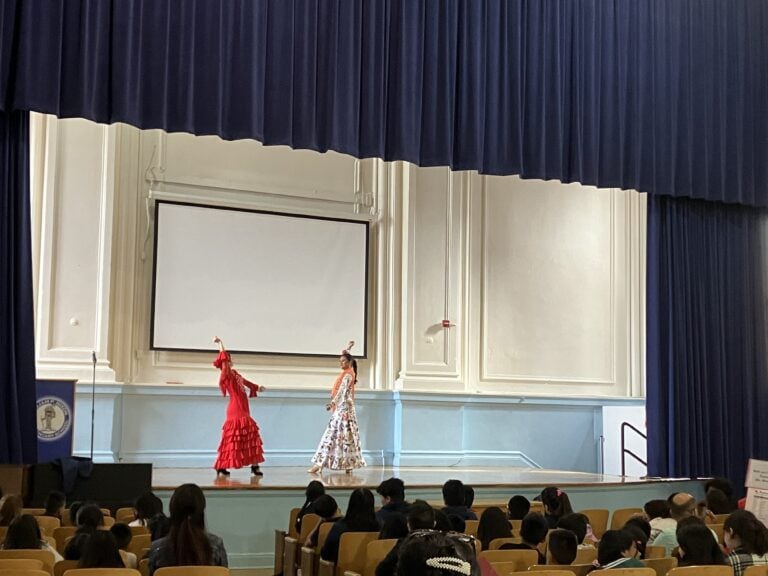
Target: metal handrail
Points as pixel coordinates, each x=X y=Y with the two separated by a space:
x=625 y=450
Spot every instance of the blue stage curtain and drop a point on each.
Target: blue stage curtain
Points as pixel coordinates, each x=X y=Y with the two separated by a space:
x=707 y=378
x=667 y=97
x=18 y=430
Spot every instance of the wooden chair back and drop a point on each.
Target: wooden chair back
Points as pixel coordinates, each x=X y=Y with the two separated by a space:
x=719 y=518
x=537 y=506
x=575 y=569
x=47 y=524
x=353 y=547
x=598 y=519
x=322 y=534
x=290 y=551
x=701 y=571
x=470 y=527
x=138 y=530
x=62 y=534
x=756 y=570
x=3 y=531
x=106 y=512
x=45 y=556
x=279 y=551
x=620 y=517
x=516 y=525
x=33 y=511
x=585 y=556
x=376 y=552
x=661 y=565
x=625 y=572
x=292 y=523
x=193 y=571
x=497 y=543
x=652 y=552
x=63 y=565
x=144 y=567
x=308 y=523
x=138 y=543
x=551 y=571
x=125 y=515
x=109 y=521
x=21 y=564
x=66 y=519
x=326 y=568
x=22 y=572
x=103 y=572
x=719 y=530
x=523 y=559
x=308 y=562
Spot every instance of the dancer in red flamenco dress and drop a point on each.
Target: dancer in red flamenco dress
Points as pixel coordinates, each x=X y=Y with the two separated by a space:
x=240 y=440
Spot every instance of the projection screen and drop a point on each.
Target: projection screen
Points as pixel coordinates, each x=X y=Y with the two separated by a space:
x=264 y=282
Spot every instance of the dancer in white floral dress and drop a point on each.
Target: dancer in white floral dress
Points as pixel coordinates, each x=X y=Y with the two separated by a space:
x=339 y=448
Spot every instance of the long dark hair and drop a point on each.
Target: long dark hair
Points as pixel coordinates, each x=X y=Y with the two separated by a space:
x=11 y=509
x=100 y=551
x=23 y=533
x=556 y=502
x=752 y=533
x=493 y=524
x=698 y=546
x=361 y=516
x=187 y=536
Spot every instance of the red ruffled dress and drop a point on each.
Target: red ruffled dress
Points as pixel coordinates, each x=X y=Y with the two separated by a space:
x=240 y=439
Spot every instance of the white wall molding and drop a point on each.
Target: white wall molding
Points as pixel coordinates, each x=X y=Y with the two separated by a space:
x=73 y=323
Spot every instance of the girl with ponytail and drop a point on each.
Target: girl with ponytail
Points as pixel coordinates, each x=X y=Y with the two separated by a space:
x=188 y=543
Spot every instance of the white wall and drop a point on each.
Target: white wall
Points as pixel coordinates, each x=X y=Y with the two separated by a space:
x=543 y=283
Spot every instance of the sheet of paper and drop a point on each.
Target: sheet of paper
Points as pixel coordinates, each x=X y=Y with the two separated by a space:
x=757 y=474
x=757 y=503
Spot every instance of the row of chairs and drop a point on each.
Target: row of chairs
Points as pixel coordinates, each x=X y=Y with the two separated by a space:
x=33 y=567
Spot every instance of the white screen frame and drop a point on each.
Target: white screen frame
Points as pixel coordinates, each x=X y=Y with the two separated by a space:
x=218 y=270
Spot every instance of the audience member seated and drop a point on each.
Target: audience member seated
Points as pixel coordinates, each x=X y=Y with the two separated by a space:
x=443 y=523
x=360 y=517
x=421 y=516
x=657 y=512
x=89 y=519
x=457 y=524
x=493 y=524
x=747 y=539
x=469 y=496
x=55 y=504
x=123 y=537
x=454 y=498
x=517 y=507
x=159 y=526
x=718 y=502
x=556 y=505
x=314 y=490
x=187 y=543
x=24 y=534
x=533 y=531
x=146 y=507
x=681 y=506
x=395 y=526
x=562 y=547
x=100 y=551
x=639 y=537
x=326 y=507
x=697 y=545
x=578 y=524
x=617 y=550
x=721 y=501
x=433 y=553
x=74 y=508
x=11 y=509
x=392 y=492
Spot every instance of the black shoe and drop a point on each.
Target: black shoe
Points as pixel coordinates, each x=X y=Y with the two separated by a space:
x=222 y=471
x=256 y=471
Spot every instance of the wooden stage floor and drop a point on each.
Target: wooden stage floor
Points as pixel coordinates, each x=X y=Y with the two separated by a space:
x=296 y=478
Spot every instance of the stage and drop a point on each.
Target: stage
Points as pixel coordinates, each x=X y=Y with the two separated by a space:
x=245 y=510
